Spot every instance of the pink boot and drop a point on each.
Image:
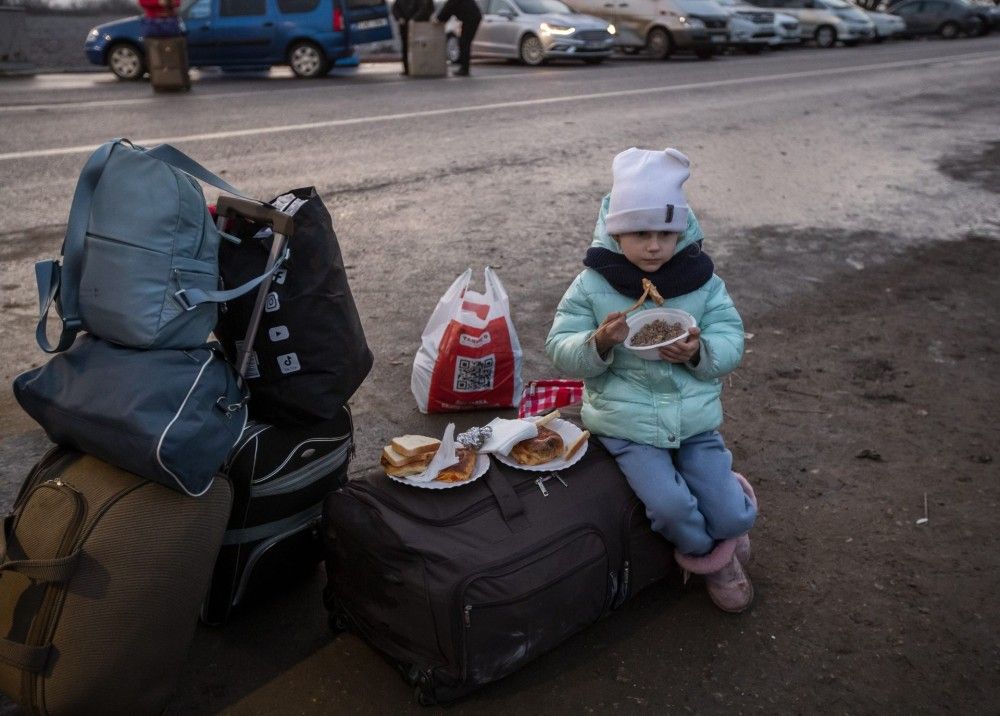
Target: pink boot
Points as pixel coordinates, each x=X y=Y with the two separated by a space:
x=743 y=553
x=728 y=585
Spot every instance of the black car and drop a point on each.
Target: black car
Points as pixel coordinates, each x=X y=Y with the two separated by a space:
x=947 y=18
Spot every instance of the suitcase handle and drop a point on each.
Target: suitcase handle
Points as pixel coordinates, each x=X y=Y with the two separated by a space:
x=24 y=656
x=511 y=507
x=281 y=222
x=59 y=569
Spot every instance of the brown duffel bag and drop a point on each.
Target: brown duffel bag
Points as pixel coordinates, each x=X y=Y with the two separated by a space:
x=102 y=574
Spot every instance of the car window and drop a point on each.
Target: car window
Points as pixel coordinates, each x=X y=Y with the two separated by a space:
x=198 y=10
x=235 y=8
x=541 y=7
x=910 y=8
x=935 y=7
x=291 y=6
x=499 y=7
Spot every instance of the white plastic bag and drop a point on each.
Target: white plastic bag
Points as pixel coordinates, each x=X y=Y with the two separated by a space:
x=469 y=355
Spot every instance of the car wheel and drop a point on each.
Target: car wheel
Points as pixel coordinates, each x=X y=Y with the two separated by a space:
x=125 y=60
x=308 y=60
x=977 y=27
x=826 y=36
x=531 y=53
x=658 y=44
x=949 y=30
x=452 y=49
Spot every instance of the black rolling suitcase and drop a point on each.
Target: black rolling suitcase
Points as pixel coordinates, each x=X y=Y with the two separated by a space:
x=280 y=474
x=461 y=587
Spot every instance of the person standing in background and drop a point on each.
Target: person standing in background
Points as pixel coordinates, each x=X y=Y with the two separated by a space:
x=405 y=12
x=469 y=14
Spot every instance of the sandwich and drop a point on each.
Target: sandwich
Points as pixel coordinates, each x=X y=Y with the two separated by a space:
x=412 y=454
x=544 y=447
x=412 y=446
x=397 y=465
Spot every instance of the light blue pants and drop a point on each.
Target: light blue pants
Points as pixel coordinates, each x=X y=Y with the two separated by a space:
x=690 y=493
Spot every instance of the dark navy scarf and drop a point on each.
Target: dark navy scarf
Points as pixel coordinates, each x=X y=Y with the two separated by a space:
x=683 y=273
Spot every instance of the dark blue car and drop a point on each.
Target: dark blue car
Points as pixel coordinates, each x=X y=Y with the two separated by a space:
x=307 y=35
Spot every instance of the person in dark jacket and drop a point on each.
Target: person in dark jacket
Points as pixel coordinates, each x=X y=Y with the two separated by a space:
x=405 y=12
x=469 y=14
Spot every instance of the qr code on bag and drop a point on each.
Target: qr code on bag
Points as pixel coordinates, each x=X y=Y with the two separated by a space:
x=472 y=374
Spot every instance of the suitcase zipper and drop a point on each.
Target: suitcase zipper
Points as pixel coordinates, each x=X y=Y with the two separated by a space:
x=467 y=609
x=626 y=553
x=512 y=564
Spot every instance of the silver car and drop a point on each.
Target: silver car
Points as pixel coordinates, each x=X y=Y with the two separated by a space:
x=825 y=21
x=534 y=31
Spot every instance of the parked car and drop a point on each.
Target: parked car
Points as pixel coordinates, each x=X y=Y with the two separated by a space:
x=825 y=21
x=308 y=35
x=661 y=27
x=534 y=31
x=788 y=30
x=947 y=18
x=750 y=28
x=886 y=25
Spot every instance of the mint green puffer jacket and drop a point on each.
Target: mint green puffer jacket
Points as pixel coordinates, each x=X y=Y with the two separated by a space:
x=651 y=402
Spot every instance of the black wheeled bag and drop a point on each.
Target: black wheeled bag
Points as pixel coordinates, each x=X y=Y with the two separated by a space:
x=310 y=354
x=101 y=577
x=280 y=476
x=461 y=587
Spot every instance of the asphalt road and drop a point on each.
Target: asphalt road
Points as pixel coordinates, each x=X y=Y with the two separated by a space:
x=841 y=159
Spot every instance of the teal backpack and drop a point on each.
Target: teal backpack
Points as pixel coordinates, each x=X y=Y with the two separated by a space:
x=140 y=261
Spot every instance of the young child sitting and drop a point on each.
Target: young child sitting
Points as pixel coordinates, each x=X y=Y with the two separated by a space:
x=660 y=419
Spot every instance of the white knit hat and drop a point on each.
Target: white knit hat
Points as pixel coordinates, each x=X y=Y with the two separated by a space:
x=647 y=192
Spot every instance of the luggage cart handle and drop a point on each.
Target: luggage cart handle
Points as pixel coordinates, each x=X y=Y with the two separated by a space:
x=281 y=222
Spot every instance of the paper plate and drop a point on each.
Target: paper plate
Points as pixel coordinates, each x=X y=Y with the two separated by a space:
x=482 y=465
x=568 y=432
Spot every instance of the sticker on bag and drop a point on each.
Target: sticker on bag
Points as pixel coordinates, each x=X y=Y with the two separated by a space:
x=469 y=356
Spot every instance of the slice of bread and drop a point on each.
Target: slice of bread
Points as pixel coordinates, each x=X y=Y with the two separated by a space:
x=576 y=445
x=416 y=467
x=413 y=445
x=391 y=456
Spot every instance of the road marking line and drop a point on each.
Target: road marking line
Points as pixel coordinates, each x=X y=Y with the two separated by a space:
x=138 y=101
x=305 y=126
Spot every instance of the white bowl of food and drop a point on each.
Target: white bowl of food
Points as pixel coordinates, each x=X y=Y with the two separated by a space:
x=654 y=328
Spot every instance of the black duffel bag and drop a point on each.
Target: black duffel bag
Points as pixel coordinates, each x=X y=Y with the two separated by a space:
x=461 y=587
x=310 y=354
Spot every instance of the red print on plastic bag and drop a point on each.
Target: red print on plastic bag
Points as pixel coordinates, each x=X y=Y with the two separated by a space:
x=469 y=357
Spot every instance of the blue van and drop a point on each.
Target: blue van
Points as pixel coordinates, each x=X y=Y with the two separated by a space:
x=307 y=35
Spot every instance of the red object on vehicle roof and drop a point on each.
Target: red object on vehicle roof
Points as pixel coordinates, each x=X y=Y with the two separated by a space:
x=160 y=8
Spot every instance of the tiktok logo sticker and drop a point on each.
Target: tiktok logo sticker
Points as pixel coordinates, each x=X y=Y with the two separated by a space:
x=288 y=363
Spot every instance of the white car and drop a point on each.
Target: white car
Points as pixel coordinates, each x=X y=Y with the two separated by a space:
x=886 y=26
x=752 y=29
x=787 y=30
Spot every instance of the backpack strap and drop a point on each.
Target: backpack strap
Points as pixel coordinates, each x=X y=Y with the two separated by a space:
x=190 y=298
x=64 y=280
x=179 y=160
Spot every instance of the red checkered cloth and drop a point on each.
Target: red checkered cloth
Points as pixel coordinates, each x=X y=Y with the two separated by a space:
x=544 y=396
